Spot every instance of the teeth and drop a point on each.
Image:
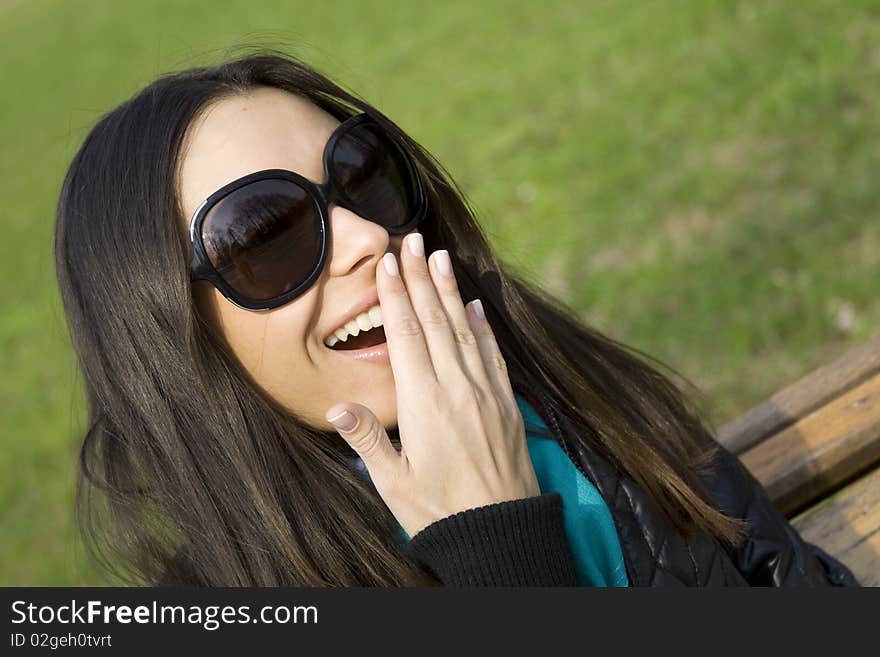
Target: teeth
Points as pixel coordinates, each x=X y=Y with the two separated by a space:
x=372 y=318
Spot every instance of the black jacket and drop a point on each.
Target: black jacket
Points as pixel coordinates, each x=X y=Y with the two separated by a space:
x=521 y=542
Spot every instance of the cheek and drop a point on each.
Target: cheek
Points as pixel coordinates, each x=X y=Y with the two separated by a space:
x=280 y=353
x=268 y=345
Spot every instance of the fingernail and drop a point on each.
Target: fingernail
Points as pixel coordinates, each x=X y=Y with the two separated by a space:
x=345 y=421
x=444 y=264
x=478 y=308
x=416 y=245
x=390 y=264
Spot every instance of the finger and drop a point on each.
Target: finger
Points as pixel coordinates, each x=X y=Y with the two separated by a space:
x=364 y=433
x=436 y=324
x=496 y=367
x=446 y=285
x=407 y=349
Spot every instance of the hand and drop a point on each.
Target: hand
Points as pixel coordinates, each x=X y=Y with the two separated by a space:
x=461 y=432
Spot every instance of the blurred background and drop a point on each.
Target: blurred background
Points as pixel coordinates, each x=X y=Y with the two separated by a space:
x=695 y=178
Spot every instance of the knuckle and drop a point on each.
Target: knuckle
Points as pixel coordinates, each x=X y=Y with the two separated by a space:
x=434 y=317
x=464 y=337
x=497 y=361
x=407 y=327
x=367 y=443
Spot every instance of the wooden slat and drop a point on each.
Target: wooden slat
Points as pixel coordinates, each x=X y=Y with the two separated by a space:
x=847 y=526
x=802 y=397
x=810 y=458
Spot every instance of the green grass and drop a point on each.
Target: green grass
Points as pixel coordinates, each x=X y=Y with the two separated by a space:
x=696 y=178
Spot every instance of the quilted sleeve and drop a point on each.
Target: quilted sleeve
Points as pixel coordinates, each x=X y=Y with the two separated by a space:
x=773 y=553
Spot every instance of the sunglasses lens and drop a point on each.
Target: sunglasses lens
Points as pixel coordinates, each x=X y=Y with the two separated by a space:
x=375 y=175
x=264 y=239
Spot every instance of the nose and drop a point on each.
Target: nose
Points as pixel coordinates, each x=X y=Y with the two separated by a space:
x=355 y=242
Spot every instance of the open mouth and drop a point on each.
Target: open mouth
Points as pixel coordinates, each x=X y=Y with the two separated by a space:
x=362 y=340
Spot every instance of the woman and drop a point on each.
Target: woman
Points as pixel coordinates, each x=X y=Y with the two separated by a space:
x=265 y=281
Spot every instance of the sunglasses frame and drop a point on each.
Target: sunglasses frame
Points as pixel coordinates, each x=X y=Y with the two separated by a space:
x=322 y=194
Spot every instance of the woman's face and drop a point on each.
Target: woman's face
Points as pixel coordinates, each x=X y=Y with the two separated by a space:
x=283 y=349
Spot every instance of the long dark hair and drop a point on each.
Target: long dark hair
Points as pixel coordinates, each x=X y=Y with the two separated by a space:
x=190 y=474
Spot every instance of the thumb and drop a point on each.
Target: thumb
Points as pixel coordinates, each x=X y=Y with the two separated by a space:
x=366 y=436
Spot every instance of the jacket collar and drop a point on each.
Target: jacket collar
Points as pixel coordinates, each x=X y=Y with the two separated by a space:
x=624 y=502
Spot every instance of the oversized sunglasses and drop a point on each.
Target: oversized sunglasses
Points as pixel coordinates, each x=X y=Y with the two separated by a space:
x=263 y=239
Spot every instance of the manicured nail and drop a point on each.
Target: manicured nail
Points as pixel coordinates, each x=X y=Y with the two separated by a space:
x=444 y=264
x=478 y=308
x=345 y=421
x=390 y=264
x=416 y=245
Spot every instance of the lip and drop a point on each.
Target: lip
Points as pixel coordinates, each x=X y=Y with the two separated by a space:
x=366 y=301
x=375 y=354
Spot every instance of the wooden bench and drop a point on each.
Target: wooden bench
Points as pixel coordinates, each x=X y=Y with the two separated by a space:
x=815 y=446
